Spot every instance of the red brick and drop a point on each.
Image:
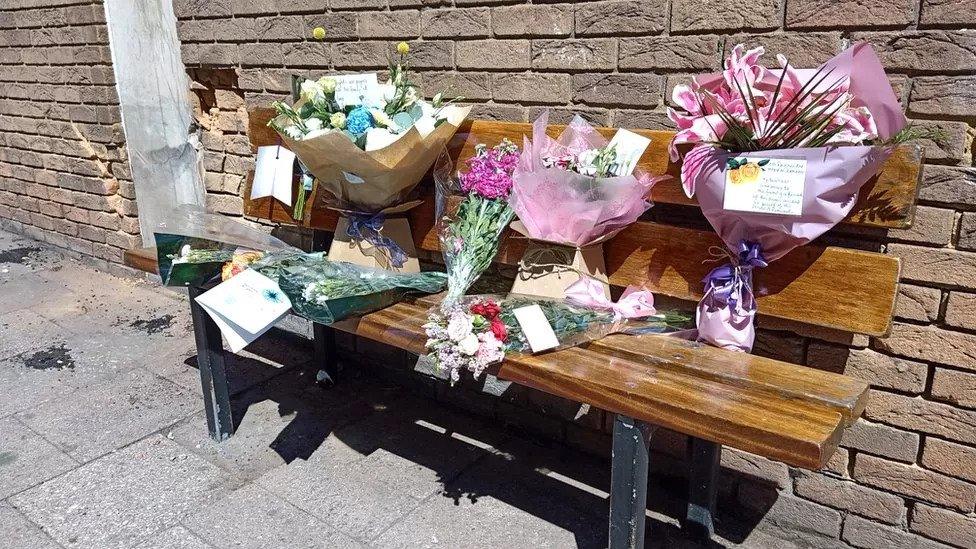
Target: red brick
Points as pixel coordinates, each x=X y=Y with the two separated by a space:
x=931 y=344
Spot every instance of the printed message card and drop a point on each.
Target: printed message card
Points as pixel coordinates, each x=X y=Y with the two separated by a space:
x=244 y=307
x=765 y=185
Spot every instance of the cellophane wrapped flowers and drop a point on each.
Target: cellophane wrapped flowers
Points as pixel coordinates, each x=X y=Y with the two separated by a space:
x=469 y=235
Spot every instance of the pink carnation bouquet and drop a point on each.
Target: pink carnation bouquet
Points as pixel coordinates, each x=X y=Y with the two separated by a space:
x=776 y=158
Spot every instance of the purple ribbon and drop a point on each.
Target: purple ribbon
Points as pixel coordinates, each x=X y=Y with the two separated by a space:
x=729 y=283
x=367 y=227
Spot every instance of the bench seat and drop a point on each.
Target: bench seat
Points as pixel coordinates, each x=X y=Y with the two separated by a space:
x=783 y=411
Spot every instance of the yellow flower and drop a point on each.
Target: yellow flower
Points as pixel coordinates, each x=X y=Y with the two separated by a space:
x=403 y=48
x=750 y=172
x=318 y=33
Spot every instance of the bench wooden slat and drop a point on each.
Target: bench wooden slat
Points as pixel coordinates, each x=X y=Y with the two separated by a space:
x=887 y=201
x=661 y=390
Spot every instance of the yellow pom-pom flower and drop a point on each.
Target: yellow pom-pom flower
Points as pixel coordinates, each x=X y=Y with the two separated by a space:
x=403 y=48
x=318 y=33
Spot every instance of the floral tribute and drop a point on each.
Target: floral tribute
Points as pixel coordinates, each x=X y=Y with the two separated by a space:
x=469 y=236
x=776 y=157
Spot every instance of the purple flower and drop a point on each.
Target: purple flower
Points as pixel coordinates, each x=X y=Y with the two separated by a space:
x=490 y=171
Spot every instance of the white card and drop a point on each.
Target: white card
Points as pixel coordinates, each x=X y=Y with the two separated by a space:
x=245 y=307
x=765 y=185
x=630 y=147
x=536 y=328
x=357 y=89
x=273 y=173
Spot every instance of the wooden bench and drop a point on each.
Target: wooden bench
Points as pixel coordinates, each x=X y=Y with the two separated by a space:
x=775 y=409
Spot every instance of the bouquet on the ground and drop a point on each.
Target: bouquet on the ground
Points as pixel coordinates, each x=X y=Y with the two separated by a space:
x=777 y=158
x=478 y=331
x=368 y=144
x=469 y=229
x=578 y=188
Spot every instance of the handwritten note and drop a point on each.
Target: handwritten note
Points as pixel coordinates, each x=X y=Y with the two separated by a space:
x=357 y=89
x=765 y=185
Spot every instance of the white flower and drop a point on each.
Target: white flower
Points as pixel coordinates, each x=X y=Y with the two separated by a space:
x=459 y=327
x=293 y=132
x=328 y=84
x=380 y=118
x=185 y=250
x=469 y=345
x=586 y=161
x=313 y=124
x=310 y=91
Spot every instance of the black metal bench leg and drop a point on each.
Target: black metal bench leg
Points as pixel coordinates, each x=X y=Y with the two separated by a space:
x=704 y=457
x=325 y=355
x=628 y=489
x=213 y=375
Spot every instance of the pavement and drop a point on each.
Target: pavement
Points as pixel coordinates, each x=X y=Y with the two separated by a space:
x=103 y=441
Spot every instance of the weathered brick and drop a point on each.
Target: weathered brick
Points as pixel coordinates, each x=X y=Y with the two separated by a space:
x=882 y=440
x=961 y=310
x=780 y=346
x=455 y=23
x=865 y=534
x=494 y=54
x=838 y=463
x=338 y=26
x=944 y=525
x=392 y=24
x=473 y=86
x=532 y=20
x=849 y=496
x=563 y=115
x=360 y=54
x=802 y=14
x=950 y=458
x=935 y=265
x=918 y=302
x=431 y=54
x=510 y=113
x=924 y=51
x=939 y=13
x=531 y=87
x=967 y=231
x=954 y=387
x=755 y=466
x=691 y=53
x=950 y=186
x=931 y=344
x=301 y=54
x=915 y=482
x=803 y=50
x=597 y=54
x=943 y=95
x=922 y=415
x=225 y=204
x=875 y=368
x=630 y=90
x=618 y=18
x=800 y=519
x=705 y=15
x=931 y=226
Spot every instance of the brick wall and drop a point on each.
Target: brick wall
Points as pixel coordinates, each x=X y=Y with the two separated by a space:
x=63 y=172
x=905 y=475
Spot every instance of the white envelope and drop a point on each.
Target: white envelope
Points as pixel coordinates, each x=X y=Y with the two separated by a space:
x=245 y=307
x=273 y=173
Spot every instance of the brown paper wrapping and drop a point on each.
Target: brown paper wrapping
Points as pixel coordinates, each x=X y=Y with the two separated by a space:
x=387 y=175
x=363 y=253
x=547 y=268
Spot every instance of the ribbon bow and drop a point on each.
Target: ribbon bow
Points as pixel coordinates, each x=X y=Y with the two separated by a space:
x=367 y=227
x=634 y=303
x=729 y=283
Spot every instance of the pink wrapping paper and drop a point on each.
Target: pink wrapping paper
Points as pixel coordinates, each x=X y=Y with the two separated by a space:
x=834 y=177
x=558 y=205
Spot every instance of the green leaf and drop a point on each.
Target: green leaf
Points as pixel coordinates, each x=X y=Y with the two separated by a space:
x=403 y=120
x=416 y=112
x=763 y=162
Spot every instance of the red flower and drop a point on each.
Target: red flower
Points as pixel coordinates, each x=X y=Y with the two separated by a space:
x=487 y=309
x=499 y=329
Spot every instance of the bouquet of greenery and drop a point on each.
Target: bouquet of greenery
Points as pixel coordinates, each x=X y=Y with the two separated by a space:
x=469 y=232
x=478 y=331
x=327 y=291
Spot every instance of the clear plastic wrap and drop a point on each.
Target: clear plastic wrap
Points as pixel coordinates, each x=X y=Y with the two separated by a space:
x=328 y=291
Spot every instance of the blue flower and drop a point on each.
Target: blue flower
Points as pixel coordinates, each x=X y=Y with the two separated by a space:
x=359 y=120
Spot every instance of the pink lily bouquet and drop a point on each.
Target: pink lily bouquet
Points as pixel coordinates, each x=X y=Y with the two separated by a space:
x=777 y=157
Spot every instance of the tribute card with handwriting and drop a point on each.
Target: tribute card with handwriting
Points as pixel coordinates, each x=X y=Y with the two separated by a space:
x=765 y=185
x=357 y=89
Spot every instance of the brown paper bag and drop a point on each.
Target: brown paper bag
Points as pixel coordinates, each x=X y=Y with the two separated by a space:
x=361 y=252
x=547 y=268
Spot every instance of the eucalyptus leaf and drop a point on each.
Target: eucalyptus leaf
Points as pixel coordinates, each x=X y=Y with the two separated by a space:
x=403 y=120
x=416 y=112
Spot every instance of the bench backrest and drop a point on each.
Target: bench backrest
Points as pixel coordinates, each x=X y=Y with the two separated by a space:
x=838 y=288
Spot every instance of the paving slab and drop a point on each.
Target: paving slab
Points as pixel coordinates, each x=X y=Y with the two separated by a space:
x=253 y=518
x=23 y=387
x=177 y=537
x=24 y=330
x=27 y=459
x=124 y=498
x=17 y=532
x=96 y=420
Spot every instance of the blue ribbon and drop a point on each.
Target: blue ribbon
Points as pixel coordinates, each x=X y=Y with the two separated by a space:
x=367 y=227
x=729 y=283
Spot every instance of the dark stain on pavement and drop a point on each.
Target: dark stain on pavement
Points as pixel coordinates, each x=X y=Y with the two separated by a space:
x=53 y=358
x=153 y=326
x=6 y=458
x=18 y=255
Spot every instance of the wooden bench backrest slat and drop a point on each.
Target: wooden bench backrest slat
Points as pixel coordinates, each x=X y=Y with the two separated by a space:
x=887 y=201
